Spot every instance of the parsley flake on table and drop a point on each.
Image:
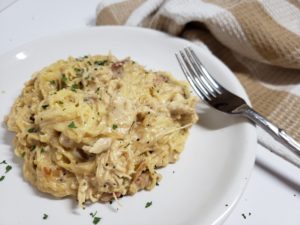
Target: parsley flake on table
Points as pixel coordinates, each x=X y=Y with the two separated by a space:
x=45 y=216
x=72 y=125
x=7 y=168
x=148 y=204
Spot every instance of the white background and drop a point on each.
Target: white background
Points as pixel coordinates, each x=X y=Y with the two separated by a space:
x=272 y=196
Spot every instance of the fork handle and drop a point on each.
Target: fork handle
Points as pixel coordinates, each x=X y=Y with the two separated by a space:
x=277 y=133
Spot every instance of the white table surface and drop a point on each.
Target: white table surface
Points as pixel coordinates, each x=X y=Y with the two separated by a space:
x=272 y=196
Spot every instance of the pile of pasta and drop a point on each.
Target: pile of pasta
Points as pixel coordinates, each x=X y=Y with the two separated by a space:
x=98 y=128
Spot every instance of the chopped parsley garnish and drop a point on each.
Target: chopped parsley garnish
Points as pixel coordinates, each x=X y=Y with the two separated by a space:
x=64 y=79
x=96 y=220
x=42 y=150
x=100 y=63
x=60 y=102
x=2 y=178
x=45 y=106
x=114 y=126
x=78 y=71
x=23 y=154
x=72 y=125
x=148 y=204
x=3 y=162
x=74 y=87
x=244 y=216
x=32 y=130
x=7 y=168
x=32 y=148
x=45 y=216
x=52 y=82
x=97 y=90
x=93 y=214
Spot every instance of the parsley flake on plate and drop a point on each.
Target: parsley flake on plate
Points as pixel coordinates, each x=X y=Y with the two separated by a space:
x=74 y=87
x=7 y=168
x=64 y=79
x=93 y=214
x=72 y=125
x=148 y=204
x=96 y=220
x=52 y=82
x=100 y=63
x=32 y=130
x=45 y=216
x=78 y=71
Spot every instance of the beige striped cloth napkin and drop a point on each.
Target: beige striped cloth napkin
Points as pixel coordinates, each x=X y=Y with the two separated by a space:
x=259 y=40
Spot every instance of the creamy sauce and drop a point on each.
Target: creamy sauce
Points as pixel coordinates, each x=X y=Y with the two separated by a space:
x=97 y=128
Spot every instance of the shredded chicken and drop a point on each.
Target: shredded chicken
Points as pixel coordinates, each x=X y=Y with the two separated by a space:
x=101 y=145
x=97 y=128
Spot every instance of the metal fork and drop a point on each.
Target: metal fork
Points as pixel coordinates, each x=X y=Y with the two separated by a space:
x=213 y=93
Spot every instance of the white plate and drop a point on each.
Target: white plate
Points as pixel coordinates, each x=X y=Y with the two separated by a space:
x=211 y=173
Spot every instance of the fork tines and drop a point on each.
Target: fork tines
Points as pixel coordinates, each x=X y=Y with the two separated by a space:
x=200 y=80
